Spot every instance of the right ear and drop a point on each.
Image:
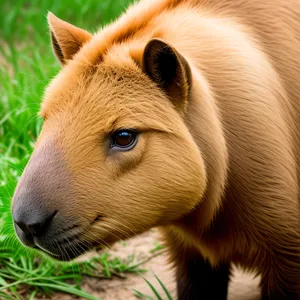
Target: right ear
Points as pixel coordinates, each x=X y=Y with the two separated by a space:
x=66 y=38
x=169 y=70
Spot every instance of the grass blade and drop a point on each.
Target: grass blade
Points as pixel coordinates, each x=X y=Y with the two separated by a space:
x=163 y=287
x=141 y=295
x=153 y=289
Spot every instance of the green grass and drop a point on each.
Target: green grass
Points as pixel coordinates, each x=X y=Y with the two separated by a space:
x=29 y=275
x=26 y=66
x=166 y=294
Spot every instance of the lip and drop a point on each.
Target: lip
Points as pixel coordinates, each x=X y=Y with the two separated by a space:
x=39 y=247
x=67 y=254
x=70 y=253
x=62 y=252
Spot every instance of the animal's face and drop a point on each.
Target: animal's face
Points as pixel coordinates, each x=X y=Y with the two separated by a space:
x=114 y=159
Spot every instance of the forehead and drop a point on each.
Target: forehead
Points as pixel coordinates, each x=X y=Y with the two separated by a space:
x=106 y=95
x=78 y=84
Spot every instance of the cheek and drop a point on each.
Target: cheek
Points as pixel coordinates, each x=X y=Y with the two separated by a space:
x=94 y=193
x=168 y=183
x=157 y=182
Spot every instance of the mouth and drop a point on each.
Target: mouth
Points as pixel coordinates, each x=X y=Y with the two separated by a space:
x=66 y=248
x=40 y=248
x=62 y=247
x=64 y=253
x=68 y=253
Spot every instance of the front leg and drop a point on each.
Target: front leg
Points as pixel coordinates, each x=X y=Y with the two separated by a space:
x=281 y=260
x=198 y=280
x=281 y=279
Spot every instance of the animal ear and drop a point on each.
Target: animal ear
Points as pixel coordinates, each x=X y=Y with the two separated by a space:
x=66 y=39
x=169 y=70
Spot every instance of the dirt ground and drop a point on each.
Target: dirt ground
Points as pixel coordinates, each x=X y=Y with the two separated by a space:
x=243 y=286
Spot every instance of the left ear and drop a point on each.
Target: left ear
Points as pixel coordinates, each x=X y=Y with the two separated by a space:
x=169 y=70
x=66 y=38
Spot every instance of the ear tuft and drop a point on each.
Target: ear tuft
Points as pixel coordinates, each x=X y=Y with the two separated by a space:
x=169 y=70
x=66 y=38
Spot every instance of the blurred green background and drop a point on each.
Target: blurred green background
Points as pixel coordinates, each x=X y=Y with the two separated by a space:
x=26 y=66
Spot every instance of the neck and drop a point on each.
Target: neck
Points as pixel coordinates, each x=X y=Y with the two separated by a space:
x=204 y=123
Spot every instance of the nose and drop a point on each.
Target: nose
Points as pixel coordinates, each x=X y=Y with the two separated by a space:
x=33 y=224
x=35 y=202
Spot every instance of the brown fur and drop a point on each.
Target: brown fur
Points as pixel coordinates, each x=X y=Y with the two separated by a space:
x=217 y=162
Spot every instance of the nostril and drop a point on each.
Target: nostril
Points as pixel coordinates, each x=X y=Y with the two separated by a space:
x=37 y=227
x=22 y=226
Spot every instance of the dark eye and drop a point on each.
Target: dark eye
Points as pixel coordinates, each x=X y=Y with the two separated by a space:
x=124 y=139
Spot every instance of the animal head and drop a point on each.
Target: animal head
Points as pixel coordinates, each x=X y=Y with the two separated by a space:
x=114 y=157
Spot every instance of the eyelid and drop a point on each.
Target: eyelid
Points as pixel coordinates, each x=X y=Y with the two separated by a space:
x=124 y=128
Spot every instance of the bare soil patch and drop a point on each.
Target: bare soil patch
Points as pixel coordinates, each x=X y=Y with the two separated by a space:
x=243 y=286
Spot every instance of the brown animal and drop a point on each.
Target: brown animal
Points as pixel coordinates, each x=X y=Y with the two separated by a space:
x=184 y=115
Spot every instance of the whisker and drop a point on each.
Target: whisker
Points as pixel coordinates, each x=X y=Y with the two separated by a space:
x=90 y=237
x=121 y=224
x=108 y=228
